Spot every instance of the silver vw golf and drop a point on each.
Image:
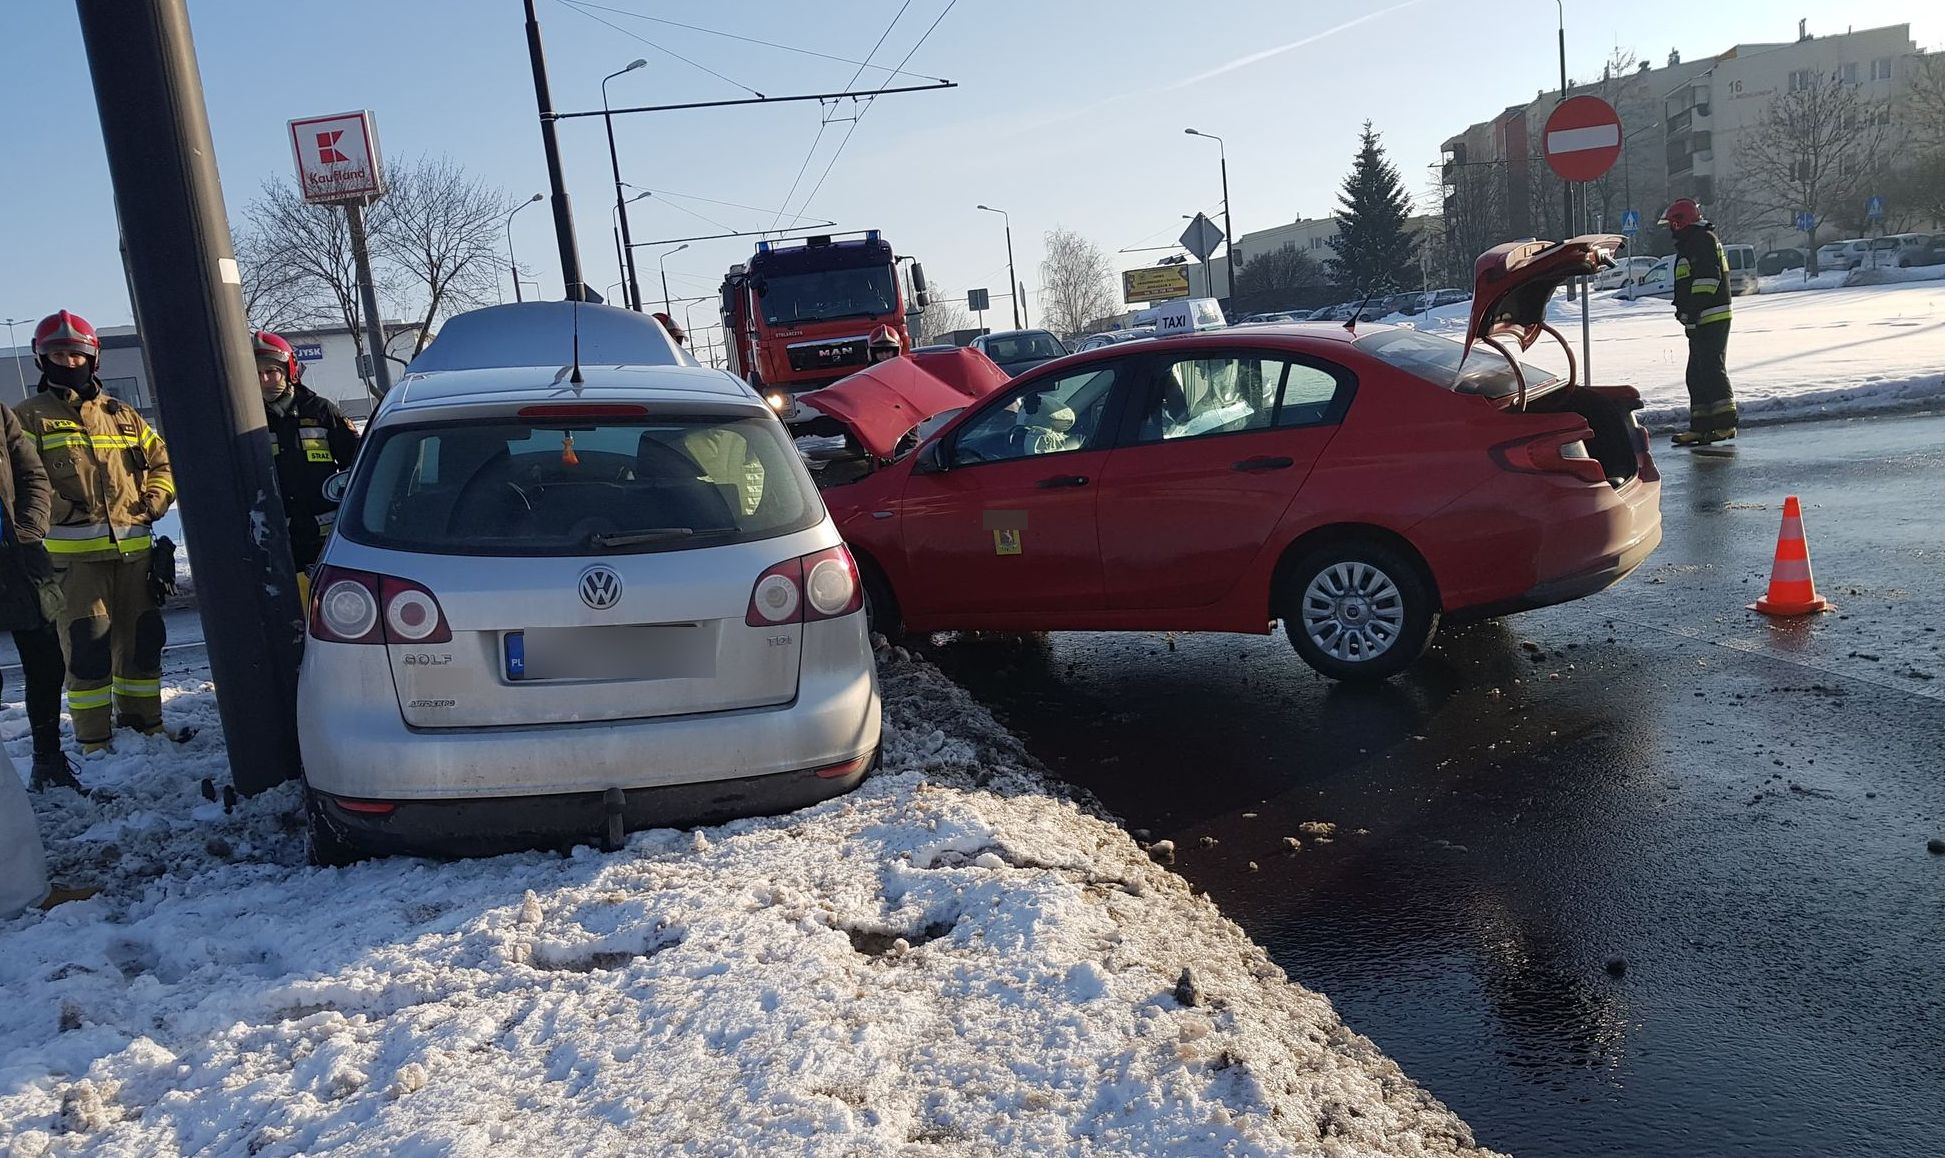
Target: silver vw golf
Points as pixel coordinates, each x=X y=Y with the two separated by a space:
x=579 y=584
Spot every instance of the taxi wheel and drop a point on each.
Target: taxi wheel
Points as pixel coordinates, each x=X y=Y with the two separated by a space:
x=881 y=615
x=329 y=846
x=1357 y=610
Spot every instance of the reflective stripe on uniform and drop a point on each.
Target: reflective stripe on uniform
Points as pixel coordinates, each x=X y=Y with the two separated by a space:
x=1705 y=285
x=316 y=450
x=162 y=483
x=82 y=699
x=78 y=539
x=128 y=689
x=1682 y=268
x=313 y=432
x=1714 y=314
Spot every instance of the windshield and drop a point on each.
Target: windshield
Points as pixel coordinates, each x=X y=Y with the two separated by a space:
x=578 y=487
x=827 y=295
x=1437 y=360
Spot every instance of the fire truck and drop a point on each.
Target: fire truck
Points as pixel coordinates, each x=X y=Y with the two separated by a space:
x=799 y=314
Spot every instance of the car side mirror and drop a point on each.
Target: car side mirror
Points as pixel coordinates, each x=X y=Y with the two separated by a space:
x=335 y=486
x=932 y=458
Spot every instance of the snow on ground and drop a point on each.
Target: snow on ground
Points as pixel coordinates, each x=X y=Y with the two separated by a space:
x=952 y=959
x=1843 y=350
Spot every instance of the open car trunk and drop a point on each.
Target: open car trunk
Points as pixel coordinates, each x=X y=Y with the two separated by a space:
x=1512 y=285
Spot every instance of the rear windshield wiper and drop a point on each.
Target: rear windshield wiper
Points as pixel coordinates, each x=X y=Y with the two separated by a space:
x=634 y=538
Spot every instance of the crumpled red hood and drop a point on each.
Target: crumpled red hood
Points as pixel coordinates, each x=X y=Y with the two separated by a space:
x=883 y=402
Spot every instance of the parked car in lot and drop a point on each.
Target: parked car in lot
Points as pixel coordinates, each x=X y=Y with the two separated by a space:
x=1843 y=254
x=566 y=601
x=1903 y=250
x=1359 y=487
x=1780 y=261
x=1741 y=272
x=1627 y=271
x=1017 y=351
x=1659 y=281
x=1439 y=298
x=1112 y=337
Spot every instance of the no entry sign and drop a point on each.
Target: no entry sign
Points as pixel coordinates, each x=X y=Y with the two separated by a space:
x=1583 y=138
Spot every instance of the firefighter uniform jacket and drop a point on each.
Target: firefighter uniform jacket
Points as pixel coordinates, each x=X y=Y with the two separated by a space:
x=311 y=441
x=109 y=471
x=1701 y=277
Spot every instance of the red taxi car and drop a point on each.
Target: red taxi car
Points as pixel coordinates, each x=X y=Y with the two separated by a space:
x=1357 y=483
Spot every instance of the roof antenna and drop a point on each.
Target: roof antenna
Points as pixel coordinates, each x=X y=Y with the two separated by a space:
x=575 y=378
x=1351 y=325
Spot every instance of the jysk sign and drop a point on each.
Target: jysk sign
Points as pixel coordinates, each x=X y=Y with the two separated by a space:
x=337 y=157
x=308 y=351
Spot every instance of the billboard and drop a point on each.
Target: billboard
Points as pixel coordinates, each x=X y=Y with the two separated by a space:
x=337 y=157
x=1155 y=283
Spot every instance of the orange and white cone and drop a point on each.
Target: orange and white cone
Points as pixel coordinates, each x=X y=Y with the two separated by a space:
x=1792 y=590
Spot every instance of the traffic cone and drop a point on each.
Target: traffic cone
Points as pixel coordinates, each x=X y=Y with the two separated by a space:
x=1792 y=591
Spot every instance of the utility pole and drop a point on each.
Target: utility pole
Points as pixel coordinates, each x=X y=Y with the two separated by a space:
x=189 y=310
x=354 y=214
x=563 y=208
x=632 y=291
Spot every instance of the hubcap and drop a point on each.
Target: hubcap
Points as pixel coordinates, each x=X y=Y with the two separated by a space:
x=1353 y=612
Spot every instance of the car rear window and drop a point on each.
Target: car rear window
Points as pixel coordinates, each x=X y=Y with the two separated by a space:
x=578 y=486
x=1438 y=361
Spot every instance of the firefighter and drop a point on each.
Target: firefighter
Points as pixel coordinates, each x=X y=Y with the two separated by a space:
x=884 y=344
x=310 y=440
x=675 y=331
x=1702 y=306
x=30 y=599
x=111 y=481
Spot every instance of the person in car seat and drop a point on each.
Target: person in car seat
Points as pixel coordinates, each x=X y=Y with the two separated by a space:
x=1048 y=425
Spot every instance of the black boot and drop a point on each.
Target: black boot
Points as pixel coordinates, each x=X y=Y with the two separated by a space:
x=52 y=770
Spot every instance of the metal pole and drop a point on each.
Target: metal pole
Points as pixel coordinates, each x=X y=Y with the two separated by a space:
x=632 y=295
x=513 y=265
x=1228 y=222
x=575 y=289
x=18 y=372
x=620 y=267
x=1567 y=222
x=1010 y=274
x=189 y=311
x=1586 y=307
x=1020 y=288
x=665 y=288
x=381 y=373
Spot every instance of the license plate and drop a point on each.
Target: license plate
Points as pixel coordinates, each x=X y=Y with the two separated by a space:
x=648 y=651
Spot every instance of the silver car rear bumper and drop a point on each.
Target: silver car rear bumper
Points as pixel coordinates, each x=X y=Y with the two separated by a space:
x=356 y=745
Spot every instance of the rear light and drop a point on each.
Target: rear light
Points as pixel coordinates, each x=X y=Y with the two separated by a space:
x=359 y=607
x=839 y=771
x=1560 y=452
x=806 y=590
x=553 y=411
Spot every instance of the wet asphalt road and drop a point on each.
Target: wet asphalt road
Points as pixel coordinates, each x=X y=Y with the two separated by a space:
x=1643 y=875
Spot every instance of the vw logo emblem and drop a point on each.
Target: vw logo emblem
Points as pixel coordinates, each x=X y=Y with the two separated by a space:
x=600 y=587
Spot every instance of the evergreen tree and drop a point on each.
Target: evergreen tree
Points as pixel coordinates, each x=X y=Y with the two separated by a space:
x=1373 y=246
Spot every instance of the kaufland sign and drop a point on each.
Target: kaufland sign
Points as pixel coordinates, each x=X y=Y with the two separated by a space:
x=337 y=157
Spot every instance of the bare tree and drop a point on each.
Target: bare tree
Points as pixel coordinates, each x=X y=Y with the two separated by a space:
x=306 y=250
x=1816 y=153
x=1280 y=279
x=1923 y=101
x=1473 y=194
x=944 y=315
x=273 y=300
x=1077 y=283
x=436 y=227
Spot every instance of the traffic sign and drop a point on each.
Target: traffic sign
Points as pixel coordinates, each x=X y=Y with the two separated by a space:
x=1583 y=138
x=1201 y=237
x=337 y=157
x=1806 y=221
x=1874 y=209
x=977 y=301
x=1630 y=221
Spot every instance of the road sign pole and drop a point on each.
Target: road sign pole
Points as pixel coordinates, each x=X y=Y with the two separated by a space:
x=189 y=311
x=1586 y=307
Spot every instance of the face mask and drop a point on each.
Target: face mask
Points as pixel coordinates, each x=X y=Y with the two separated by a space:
x=71 y=377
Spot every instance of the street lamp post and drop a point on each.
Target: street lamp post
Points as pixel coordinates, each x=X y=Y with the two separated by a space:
x=665 y=273
x=621 y=264
x=633 y=289
x=1228 y=223
x=1012 y=279
x=1627 y=175
x=10 y=323
x=512 y=265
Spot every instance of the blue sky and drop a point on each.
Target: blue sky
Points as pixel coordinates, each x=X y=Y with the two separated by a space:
x=1068 y=113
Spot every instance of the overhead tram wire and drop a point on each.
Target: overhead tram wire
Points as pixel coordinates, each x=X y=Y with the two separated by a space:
x=824 y=122
x=734 y=36
x=572 y=6
x=869 y=101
